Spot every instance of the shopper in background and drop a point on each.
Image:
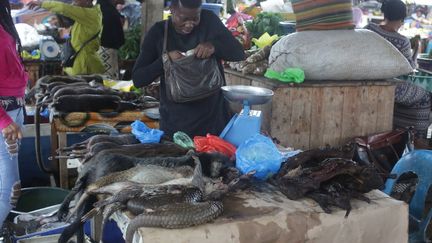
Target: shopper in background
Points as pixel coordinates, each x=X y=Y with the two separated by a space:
x=112 y=37
x=412 y=103
x=419 y=17
x=357 y=17
x=131 y=10
x=394 y=16
x=13 y=80
x=88 y=24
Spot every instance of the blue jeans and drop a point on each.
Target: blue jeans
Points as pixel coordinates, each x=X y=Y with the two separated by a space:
x=9 y=173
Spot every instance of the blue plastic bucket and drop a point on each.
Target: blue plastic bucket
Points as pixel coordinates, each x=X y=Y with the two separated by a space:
x=215 y=7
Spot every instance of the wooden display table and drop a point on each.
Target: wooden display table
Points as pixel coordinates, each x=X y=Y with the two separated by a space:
x=265 y=215
x=63 y=123
x=314 y=114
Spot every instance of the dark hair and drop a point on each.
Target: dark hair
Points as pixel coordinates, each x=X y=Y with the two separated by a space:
x=7 y=22
x=394 y=10
x=187 y=3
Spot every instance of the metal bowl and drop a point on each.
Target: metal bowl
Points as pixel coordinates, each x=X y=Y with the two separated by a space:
x=253 y=95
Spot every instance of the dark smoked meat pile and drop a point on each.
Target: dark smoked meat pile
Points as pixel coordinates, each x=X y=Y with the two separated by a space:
x=328 y=176
x=85 y=93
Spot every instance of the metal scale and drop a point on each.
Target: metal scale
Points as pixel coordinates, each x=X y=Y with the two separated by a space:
x=248 y=122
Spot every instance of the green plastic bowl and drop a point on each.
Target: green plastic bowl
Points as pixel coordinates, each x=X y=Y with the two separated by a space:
x=36 y=198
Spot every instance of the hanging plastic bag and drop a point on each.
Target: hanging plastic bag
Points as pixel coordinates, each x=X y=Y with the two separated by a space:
x=236 y=25
x=145 y=134
x=258 y=153
x=183 y=140
x=212 y=143
x=45 y=113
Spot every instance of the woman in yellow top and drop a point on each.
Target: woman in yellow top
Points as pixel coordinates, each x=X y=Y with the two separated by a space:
x=88 y=22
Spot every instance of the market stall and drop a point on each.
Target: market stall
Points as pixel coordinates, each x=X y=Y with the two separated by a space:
x=63 y=123
x=289 y=171
x=316 y=113
x=87 y=105
x=263 y=215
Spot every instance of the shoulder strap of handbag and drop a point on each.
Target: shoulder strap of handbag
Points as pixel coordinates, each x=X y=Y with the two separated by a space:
x=86 y=42
x=165 y=56
x=165 y=42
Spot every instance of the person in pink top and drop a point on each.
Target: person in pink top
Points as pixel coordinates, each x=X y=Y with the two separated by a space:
x=13 y=80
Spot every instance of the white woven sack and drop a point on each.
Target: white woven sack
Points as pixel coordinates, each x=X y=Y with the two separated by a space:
x=339 y=55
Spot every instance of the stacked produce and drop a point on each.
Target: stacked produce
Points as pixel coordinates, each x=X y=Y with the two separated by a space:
x=256 y=62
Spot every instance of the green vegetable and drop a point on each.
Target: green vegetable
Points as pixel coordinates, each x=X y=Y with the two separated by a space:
x=131 y=47
x=230 y=6
x=265 y=22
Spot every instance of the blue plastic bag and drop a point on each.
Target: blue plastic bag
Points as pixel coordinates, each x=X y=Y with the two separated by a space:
x=45 y=113
x=145 y=134
x=258 y=153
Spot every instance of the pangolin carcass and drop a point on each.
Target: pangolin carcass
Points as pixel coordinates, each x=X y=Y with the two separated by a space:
x=95 y=169
x=103 y=164
x=179 y=208
x=85 y=203
x=147 y=174
x=148 y=198
x=180 y=215
x=106 y=163
x=113 y=160
x=184 y=194
x=134 y=188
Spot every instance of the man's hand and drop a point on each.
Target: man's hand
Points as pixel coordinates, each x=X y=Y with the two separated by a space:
x=174 y=55
x=34 y=5
x=204 y=50
x=12 y=132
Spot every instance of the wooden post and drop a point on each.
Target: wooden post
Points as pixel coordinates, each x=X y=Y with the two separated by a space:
x=151 y=12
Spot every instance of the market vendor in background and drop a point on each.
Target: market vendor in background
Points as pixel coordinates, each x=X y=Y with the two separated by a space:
x=188 y=28
x=394 y=15
x=88 y=23
x=412 y=103
x=13 y=80
x=419 y=18
x=112 y=37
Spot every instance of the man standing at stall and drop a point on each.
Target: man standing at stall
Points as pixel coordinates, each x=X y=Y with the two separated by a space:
x=193 y=36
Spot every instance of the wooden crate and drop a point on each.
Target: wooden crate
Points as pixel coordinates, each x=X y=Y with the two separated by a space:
x=314 y=114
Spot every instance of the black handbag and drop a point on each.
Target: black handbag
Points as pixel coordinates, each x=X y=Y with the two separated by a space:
x=68 y=54
x=189 y=78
